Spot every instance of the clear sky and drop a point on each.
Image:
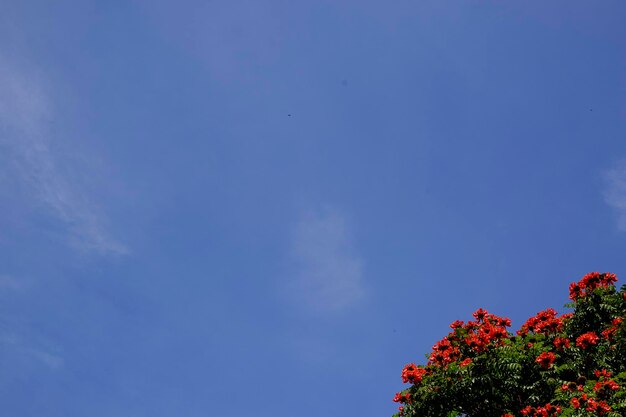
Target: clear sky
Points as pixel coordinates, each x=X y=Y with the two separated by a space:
x=239 y=208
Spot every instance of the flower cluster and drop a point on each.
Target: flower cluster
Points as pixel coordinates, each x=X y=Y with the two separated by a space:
x=413 y=373
x=561 y=343
x=592 y=400
x=546 y=359
x=467 y=339
x=590 y=282
x=590 y=404
x=605 y=384
x=402 y=398
x=545 y=322
x=609 y=332
x=547 y=410
x=587 y=340
x=481 y=369
x=444 y=352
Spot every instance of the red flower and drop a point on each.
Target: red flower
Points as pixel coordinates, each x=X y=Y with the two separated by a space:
x=603 y=407
x=590 y=282
x=456 y=324
x=402 y=398
x=575 y=291
x=602 y=373
x=466 y=362
x=586 y=340
x=480 y=314
x=561 y=342
x=609 y=278
x=592 y=405
x=612 y=330
x=411 y=373
x=444 y=353
x=505 y=321
x=607 y=385
x=544 y=322
x=475 y=343
x=546 y=359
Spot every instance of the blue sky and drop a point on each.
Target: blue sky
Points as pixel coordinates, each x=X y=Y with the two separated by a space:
x=235 y=208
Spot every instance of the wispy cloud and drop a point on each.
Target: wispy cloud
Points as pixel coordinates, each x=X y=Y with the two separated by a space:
x=15 y=347
x=25 y=112
x=51 y=360
x=329 y=273
x=615 y=192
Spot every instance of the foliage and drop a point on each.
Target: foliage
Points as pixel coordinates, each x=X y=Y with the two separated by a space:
x=572 y=365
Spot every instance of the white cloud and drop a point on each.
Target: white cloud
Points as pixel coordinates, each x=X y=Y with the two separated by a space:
x=52 y=361
x=16 y=347
x=25 y=111
x=615 y=193
x=329 y=275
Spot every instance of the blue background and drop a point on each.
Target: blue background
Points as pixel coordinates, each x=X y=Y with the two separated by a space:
x=268 y=207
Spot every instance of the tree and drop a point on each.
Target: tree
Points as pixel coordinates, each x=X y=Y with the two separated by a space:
x=572 y=365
